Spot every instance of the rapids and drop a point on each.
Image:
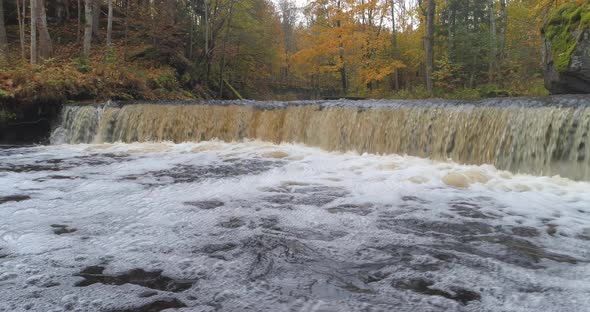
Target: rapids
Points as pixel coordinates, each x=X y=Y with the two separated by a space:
x=255 y=226
x=303 y=206
x=545 y=136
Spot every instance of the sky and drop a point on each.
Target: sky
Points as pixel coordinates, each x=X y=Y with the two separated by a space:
x=300 y=3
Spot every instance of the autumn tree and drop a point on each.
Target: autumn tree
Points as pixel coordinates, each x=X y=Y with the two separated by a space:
x=254 y=48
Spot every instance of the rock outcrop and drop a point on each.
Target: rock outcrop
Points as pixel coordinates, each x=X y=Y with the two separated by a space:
x=566 y=50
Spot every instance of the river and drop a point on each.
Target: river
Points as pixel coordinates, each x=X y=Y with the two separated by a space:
x=232 y=217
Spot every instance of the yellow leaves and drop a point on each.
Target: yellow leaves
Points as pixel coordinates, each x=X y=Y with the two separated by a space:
x=354 y=36
x=379 y=70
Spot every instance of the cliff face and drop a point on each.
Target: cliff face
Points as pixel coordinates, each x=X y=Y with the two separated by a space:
x=566 y=50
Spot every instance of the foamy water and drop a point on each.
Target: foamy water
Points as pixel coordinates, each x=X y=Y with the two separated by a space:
x=262 y=227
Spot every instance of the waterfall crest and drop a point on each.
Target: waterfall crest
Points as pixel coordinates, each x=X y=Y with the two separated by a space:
x=537 y=136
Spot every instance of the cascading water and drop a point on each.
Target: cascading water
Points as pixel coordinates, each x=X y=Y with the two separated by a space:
x=539 y=136
x=256 y=226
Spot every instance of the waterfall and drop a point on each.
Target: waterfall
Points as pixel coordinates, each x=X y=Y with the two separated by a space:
x=542 y=136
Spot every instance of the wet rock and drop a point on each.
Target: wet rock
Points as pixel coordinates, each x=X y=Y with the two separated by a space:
x=153 y=280
x=566 y=51
x=155 y=306
x=205 y=204
x=13 y=198
x=423 y=286
x=60 y=229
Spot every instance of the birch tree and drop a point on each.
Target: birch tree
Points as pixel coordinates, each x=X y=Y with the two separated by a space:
x=20 y=15
x=33 y=32
x=110 y=23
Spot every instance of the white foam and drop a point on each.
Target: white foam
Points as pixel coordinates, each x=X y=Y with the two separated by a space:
x=126 y=224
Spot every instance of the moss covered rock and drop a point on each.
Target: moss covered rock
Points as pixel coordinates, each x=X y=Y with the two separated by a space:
x=566 y=47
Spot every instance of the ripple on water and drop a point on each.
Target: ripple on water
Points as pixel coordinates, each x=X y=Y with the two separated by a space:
x=236 y=230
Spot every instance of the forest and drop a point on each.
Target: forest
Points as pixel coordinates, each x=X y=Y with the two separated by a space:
x=55 y=51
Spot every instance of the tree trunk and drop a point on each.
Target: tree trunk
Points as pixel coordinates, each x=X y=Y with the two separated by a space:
x=451 y=29
x=79 y=22
x=88 y=4
x=60 y=10
x=502 y=49
x=67 y=7
x=33 y=32
x=225 y=40
x=343 y=77
x=126 y=30
x=207 y=61
x=20 y=14
x=429 y=44
x=3 y=40
x=45 y=45
x=96 y=18
x=493 y=44
x=190 y=37
x=110 y=24
x=394 y=51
